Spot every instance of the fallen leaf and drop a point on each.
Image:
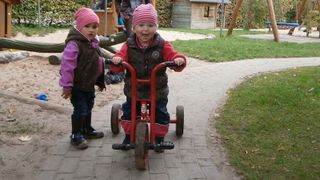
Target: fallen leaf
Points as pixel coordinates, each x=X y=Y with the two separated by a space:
x=25 y=138
x=311 y=89
x=281 y=147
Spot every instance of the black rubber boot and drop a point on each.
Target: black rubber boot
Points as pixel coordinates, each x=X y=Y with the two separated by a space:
x=158 y=141
x=89 y=131
x=77 y=139
x=126 y=141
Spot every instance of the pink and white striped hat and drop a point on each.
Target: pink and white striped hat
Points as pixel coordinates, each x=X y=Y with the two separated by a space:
x=144 y=13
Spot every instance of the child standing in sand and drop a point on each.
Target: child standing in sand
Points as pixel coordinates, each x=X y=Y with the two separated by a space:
x=82 y=67
x=144 y=49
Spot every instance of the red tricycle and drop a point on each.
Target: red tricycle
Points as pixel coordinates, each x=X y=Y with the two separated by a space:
x=140 y=138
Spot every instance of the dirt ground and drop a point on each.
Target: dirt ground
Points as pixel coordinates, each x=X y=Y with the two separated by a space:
x=30 y=127
x=22 y=116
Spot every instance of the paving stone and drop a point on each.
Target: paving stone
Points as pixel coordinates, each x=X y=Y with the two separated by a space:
x=102 y=171
x=139 y=175
x=47 y=175
x=187 y=156
x=193 y=171
x=159 y=177
x=68 y=165
x=52 y=163
x=172 y=160
x=84 y=170
x=177 y=173
x=205 y=162
x=103 y=160
x=89 y=154
x=60 y=149
x=74 y=153
x=63 y=177
x=157 y=166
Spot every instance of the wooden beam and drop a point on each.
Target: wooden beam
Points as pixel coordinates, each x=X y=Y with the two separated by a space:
x=301 y=8
x=12 y=1
x=154 y=3
x=273 y=21
x=234 y=17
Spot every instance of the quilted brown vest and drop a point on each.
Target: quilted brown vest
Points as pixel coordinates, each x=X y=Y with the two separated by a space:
x=143 y=61
x=85 y=76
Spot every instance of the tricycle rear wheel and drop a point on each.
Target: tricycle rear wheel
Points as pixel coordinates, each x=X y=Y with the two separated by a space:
x=180 y=120
x=141 y=149
x=115 y=117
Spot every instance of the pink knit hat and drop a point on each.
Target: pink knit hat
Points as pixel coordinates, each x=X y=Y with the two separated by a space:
x=85 y=16
x=144 y=13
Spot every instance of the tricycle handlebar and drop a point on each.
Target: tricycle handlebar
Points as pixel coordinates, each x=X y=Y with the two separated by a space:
x=167 y=63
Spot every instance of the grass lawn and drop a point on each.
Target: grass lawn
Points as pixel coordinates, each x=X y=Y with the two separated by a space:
x=236 y=47
x=271 y=125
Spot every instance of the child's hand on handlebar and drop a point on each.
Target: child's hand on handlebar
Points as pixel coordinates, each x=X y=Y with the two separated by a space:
x=116 y=60
x=179 y=61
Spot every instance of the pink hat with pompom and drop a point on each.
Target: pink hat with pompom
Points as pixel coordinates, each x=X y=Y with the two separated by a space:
x=144 y=13
x=85 y=16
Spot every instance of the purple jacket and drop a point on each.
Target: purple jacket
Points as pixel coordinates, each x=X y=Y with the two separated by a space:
x=69 y=64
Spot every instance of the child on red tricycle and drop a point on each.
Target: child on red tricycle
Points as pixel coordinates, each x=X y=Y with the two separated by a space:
x=144 y=55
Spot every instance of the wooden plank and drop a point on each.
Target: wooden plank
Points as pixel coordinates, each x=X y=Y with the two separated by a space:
x=9 y=24
x=11 y=1
x=111 y=22
x=181 y=13
x=273 y=21
x=2 y=19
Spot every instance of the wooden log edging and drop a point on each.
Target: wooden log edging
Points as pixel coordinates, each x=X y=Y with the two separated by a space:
x=43 y=104
x=56 y=47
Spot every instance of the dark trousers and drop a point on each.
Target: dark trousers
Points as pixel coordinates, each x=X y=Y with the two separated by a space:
x=82 y=102
x=162 y=115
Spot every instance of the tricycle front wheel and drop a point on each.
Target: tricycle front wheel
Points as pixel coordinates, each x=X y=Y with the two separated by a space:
x=141 y=149
x=180 y=120
x=115 y=117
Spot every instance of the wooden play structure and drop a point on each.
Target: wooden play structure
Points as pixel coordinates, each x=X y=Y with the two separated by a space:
x=274 y=24
x=271 y=15
x=5 y=17
x=108 y=17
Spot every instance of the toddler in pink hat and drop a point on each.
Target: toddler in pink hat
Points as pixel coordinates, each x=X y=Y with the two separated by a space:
x=144 y=49
x=85 y=16
x=82 y=68
x=144 y=13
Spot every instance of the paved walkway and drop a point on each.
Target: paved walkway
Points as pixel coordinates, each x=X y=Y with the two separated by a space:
x=298 y=36
x=201 y=88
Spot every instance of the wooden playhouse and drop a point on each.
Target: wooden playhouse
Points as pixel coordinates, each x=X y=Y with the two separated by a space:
x=5 y=17
x=195 y=14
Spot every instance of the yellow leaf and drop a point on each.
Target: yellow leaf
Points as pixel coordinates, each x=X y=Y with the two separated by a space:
x=25 y=138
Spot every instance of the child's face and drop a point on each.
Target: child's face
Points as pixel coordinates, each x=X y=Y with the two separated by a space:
x=145 y=31
x=90 y=30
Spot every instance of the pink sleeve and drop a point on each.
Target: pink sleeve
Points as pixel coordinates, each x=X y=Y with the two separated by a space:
x=123 y=53
x=169 y=54
x=68 y=65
